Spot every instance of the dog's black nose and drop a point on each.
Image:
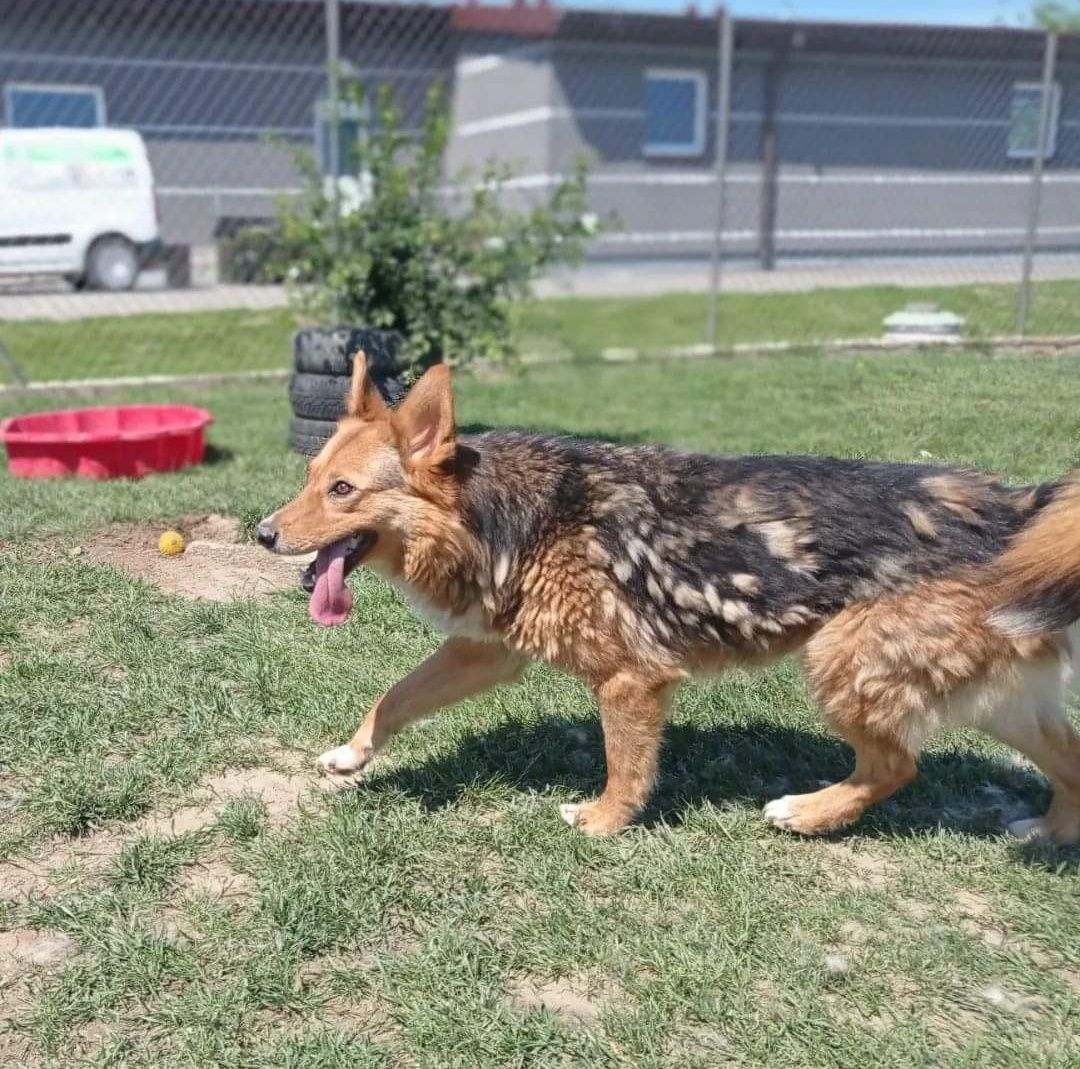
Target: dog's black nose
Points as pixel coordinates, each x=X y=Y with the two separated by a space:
x=266 y=535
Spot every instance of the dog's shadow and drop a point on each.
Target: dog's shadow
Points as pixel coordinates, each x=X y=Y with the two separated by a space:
x=735 y=765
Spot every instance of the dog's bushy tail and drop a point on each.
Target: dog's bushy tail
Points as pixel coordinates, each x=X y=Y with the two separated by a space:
x=1036 y=589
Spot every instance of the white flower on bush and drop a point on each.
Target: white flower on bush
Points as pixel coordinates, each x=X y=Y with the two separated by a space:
x=495 y=243
x=590 y=222
x=293 y=273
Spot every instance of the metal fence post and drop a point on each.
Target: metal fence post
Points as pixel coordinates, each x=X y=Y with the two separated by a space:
x=333 y=154
x=1035 y=190
x=725 y=50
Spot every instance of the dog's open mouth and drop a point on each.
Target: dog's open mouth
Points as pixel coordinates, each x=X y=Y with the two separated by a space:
x=324 y=578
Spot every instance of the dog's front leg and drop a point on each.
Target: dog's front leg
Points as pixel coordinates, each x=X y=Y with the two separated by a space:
x=458 y=669
x=632 y=711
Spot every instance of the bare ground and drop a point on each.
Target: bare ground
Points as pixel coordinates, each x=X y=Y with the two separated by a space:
x=216 y=565
x=65 y=861
x=570 y=998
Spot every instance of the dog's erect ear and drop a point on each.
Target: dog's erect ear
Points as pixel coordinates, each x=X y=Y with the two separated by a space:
x=364 y=400
x=425 y=419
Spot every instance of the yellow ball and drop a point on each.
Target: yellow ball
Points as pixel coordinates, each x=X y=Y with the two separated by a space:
x=171 y=544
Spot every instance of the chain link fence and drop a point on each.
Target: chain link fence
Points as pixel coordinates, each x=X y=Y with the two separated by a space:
x=760 y=182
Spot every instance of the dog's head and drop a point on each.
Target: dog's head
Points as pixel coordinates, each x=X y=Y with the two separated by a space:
x=384 y=476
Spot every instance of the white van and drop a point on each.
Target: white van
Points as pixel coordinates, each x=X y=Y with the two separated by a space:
x=79 y=203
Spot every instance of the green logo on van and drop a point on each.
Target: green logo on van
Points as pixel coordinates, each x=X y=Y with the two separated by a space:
x=77 y=153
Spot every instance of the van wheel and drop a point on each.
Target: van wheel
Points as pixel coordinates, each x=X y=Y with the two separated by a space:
x=112 y=264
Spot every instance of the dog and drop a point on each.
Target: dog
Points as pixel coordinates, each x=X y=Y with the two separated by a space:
x=919 y=596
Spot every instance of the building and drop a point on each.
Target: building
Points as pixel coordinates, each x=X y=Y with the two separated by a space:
x=844 y=139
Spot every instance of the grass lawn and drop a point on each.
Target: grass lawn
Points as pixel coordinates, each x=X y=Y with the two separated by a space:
x=442 y=915
x=577 y=327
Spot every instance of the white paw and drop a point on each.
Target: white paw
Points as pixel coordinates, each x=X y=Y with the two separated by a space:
x=780 y=811
x=341 y=762
x=1032 y=828
x=570 y=811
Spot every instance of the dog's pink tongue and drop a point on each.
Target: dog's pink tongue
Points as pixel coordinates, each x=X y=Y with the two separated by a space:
x=331 y=600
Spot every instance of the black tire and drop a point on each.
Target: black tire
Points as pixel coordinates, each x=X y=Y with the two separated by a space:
x=331 y=352
x=308 y=436
x=112 y=264
x=322 y=397
x=314 y=428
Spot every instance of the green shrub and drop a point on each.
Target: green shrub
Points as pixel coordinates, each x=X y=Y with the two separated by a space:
x=440 y=264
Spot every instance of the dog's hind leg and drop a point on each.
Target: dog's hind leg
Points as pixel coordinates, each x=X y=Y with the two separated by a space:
x=1031 y=718
x=882 y=767
x=458 y=669
x=632 y=712
x=858 y=671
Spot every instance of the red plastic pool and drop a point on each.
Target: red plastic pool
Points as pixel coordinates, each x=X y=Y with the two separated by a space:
x=118 y=442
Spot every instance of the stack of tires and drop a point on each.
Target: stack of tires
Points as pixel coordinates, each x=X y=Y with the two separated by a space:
x=323 y=361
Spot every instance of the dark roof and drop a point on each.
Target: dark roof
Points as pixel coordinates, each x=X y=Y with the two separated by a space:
x=893 y=39
x=692 y=28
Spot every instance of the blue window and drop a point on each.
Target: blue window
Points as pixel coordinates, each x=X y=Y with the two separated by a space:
x=1024 y=115
x=54 y=105
x=674 y=112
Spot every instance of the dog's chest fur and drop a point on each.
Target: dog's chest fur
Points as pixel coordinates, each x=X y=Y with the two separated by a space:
x=465 y=620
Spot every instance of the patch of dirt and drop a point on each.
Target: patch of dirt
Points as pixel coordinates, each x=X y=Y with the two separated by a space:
x=15 y=1047
x=903 y=995
x=366 y=1018
x=20 y=947
x=173 y=925
x=1070 y=978
x=211 y=528
x=852 y=933
x=63 y=862
x=917 y=910
x=298 y=761
x=570 y=998
x=92 y=1036
x=699 y=1042
x=67 y=860
x=975 y=906
x=279 y=792
x=861 y=868
x=216 y=879
x=216 y=565
x=24 y=951
x=978 y=919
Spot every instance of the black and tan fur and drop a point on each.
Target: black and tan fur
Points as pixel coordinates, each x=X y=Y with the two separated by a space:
x=919 y=595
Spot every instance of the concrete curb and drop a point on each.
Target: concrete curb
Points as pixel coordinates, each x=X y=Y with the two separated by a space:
x=839 y=345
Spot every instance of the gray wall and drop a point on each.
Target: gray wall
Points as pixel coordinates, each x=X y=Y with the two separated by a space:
x=496 y=79
x=875 y=154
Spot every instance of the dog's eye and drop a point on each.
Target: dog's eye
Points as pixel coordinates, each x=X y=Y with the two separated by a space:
x=341 y=488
